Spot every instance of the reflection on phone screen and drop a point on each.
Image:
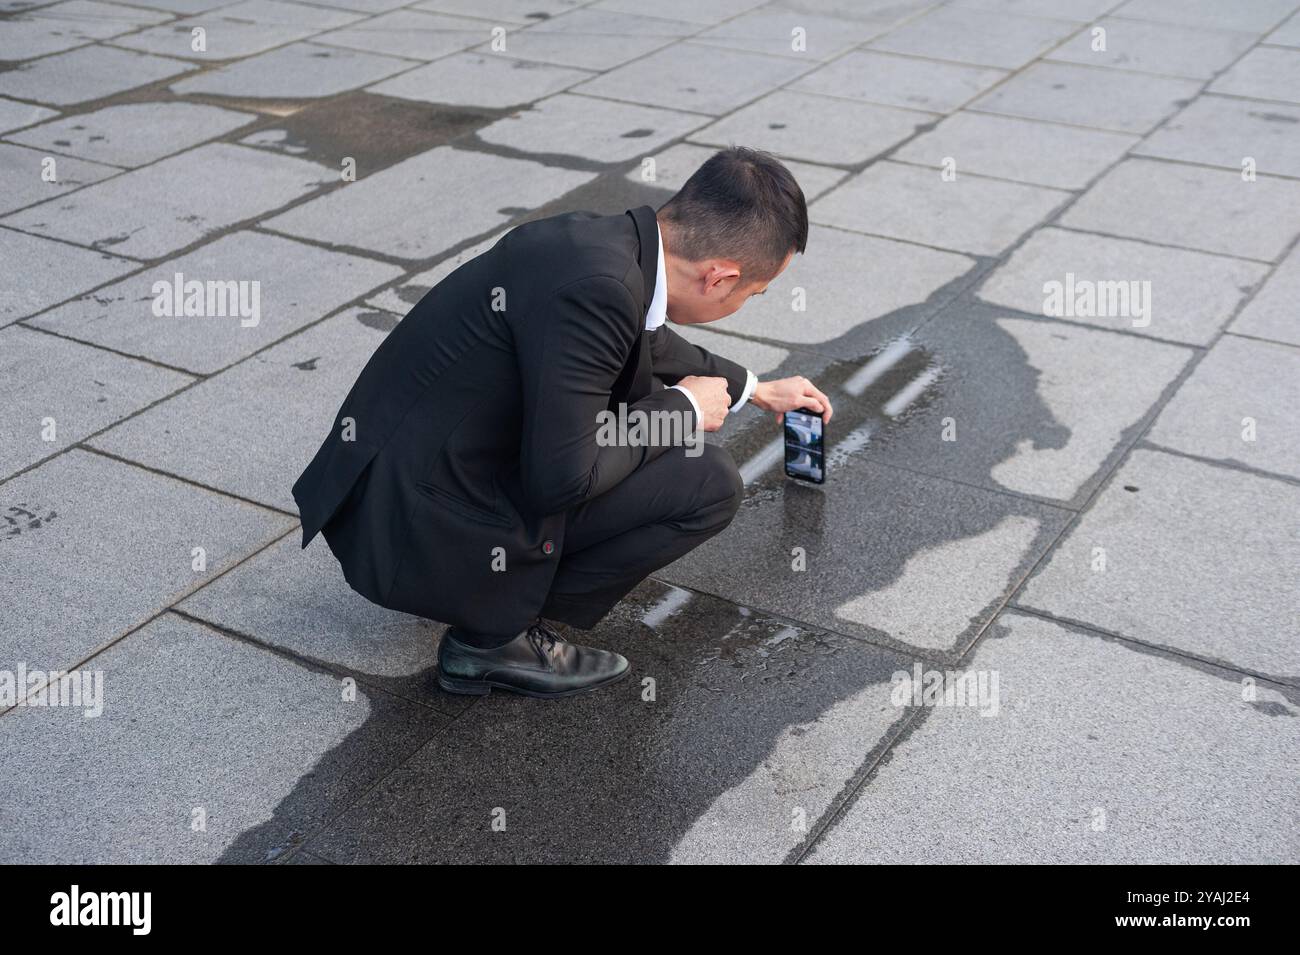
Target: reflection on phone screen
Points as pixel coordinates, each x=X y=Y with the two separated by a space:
x=804 y=455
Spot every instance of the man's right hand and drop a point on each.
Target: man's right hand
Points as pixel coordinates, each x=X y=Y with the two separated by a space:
x=712 y=397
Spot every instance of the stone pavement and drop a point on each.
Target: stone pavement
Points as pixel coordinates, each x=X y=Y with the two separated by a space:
x=1051 y=286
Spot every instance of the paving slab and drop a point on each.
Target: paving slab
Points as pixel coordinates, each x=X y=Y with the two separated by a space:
x=1263 y=73
x=1199 y=558
x=979 y=37
x=1087 y=785
x=759 y=358
x=404 y=211
x=363 y=6
x=219 y=432
x=1255 y=16
x=1029 y=406
x=673 y=166
x=691 y=76
x=850 y=284
x=511 y=11
x=474 y=79
x=402 y=296
x=63 y=26
x=133 y=134
x=747 y=733
x=590 y=39
x=1218 y=131
x=1271 y=313
x=297 y=71
x=1083 y=96
x=1081 y=11
x=593 y=129
x=1191 y=294
x=85 y=74
x=158 y=209
x=687 y=10
x=1238 y=379
x=297 y=284
x=1213 y=210
x=413 y=34
x=815 y=128
x=1043 y=154
x=779 y=31
x=865 y=553
x=285 y=752
x=53 y=271
x=57 y=392
x=187 y=6
x=95 y=547
x=1288 y=34
x=15 y=115
x=1161 y=48
x=238 y=30
x=967 y=214
x=24 y=172
x=904 y=81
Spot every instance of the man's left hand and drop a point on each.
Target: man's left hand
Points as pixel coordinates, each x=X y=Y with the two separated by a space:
x=791 y=394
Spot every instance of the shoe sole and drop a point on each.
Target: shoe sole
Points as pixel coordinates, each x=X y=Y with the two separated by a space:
x=484 y=687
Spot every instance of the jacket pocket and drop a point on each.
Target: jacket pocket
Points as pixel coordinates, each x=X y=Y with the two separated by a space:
x=463 y=507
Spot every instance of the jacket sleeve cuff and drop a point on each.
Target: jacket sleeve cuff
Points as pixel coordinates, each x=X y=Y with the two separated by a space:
x=751 y=382
x=695 y=405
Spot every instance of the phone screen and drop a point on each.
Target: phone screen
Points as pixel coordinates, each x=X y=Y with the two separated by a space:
x=805 y=457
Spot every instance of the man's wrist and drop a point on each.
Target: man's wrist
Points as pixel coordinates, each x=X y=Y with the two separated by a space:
x=751 y=387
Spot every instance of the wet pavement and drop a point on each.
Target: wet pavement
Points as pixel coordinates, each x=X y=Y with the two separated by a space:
x=1043 y=609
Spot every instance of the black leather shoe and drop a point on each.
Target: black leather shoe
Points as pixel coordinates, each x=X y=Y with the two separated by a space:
x=539 y=662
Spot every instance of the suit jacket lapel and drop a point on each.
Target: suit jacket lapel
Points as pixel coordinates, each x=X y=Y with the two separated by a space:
x=636 y=376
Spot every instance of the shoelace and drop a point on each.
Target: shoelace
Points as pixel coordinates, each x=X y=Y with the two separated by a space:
x=539 y=633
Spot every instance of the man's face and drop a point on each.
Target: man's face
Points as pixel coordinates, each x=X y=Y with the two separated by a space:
x=715 y=289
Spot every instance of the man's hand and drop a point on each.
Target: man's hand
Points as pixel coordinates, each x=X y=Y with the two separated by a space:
x=791 y=394
x=712 y=397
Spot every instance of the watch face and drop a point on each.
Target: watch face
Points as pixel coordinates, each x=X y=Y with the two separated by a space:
x=804 y=455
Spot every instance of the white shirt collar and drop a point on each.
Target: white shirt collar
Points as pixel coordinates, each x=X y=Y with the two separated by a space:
x=657 y=314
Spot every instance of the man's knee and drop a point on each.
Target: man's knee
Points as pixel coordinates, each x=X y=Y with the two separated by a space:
x=722 y=488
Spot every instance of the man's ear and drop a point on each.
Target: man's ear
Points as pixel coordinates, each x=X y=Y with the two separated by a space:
x=722 y=275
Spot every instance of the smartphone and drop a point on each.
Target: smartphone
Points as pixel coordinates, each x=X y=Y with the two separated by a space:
x=805 y=446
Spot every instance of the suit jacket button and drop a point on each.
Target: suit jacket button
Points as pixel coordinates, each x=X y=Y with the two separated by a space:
x=548 y=547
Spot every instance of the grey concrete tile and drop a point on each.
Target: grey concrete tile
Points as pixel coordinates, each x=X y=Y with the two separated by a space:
x=967 y=214
x=981 y=37
x=509 y=11
x=85 y=74
x=63 y=26
x=1197 y=557
x=176 y=202
x=1209 y=209
x=187 y=6
x=849 y=283
x=899 y=81
x=220 y=433
x=53 y=271
x=686 y=10
x=1219 y=131
x=1163 y=48
x=1081 y=11
x=865 y=553
x=241 y=29
x=753 y=727
x=197 y=727
x=593 y=129
x=57 y=392
x=406 y=210
x=94 y=547
x=691 y=76
x=297 y=284
x=15 y=115
x=297 y=71
x=363 y=6
x=413 y=34
x=1263 y=73
x=780 y=31
x=1090 y=785
x=1191 y=294
x=1256 y=16
x=673 y=166
x=1239 y=379
x=1271 y=313
x=1029 y=406
x=473 y=79
x=1082 y=96
x=133 y=134
x=815 y=128
x=1288 y=34
x=1043 y=154
x=759 y=358
x=25 y=173
x=410 y=290
x=590 y=39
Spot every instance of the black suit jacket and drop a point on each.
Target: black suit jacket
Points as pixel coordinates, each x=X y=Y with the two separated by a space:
x=473 y=425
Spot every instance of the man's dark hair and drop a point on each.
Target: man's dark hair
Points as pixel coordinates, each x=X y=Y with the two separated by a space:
x=742 y=204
